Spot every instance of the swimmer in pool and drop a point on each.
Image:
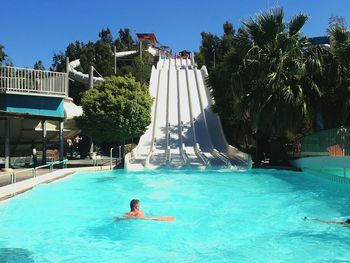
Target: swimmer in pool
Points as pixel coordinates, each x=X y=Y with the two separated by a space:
x=135 y=212
x=345 y=223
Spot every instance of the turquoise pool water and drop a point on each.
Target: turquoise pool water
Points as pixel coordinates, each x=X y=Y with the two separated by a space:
x=221 y=216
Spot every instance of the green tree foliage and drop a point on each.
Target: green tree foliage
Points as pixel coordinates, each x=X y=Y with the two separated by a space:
x=265 y=74
x=2 y=54
x=116 y=110
x=106 y=36
x=337 y=71
x=124 y=41
x=209 y=50
x=58 y=62
x=335 y=21
x=141 y=68
x=262 y=85
x=227 y=40
x=4 y=58
x=270 y=81
x=100 y=55
x=214 y=48
x=39 y=65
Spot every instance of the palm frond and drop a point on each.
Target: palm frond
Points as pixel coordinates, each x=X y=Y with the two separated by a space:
x=271 y=23
x=296 y=23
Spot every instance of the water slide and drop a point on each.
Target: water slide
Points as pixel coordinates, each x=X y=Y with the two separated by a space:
x=84 y=78
x=184 y=131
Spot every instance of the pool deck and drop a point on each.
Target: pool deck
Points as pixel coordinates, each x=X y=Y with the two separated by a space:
x=11 y=190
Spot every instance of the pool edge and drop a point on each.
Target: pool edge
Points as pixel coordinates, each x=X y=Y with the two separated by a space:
x=12 y=190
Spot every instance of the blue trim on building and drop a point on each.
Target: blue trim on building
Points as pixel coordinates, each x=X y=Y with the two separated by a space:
x=33 y=105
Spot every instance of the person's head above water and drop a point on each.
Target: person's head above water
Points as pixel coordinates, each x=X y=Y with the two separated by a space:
x=134 y=204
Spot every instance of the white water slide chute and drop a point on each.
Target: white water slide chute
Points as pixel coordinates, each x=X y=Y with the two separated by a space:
x=84 y=78
x=184 y=131
x=79 y=76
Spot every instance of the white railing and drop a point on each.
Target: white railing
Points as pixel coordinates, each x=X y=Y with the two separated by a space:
x=33 y=82
x=111 y=156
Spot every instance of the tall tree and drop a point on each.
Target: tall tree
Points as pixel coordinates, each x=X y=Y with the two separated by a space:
x=73 y=50
x=227 y=41
x=39 y=65
x=339 y=92
x=4 y=58
x=106 y=36
x=335 y=21
x=99 y=54
x=58 y=62
x=277 y=67
x=214 y=48
x=125 y=41
x=2 y=54
x=263 y=82
x=209 y=50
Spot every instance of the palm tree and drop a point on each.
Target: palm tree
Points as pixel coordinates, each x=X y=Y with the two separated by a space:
x=338 y=93
x=263 y=83
x=278 y=68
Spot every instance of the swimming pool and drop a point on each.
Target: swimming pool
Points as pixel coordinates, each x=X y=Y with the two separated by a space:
x=221 y=216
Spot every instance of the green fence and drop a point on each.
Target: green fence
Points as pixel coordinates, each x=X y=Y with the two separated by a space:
x=332 y=142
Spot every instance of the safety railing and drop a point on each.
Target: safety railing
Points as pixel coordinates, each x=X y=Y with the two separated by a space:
x=332 y=142
x=111 y=156
x=10 y=175
x=50 y=166
x=15 y=80
x=32 y=172
x=15 y=174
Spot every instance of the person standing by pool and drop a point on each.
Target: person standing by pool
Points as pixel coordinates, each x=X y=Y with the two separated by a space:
x=345 y=223
x=135 y=212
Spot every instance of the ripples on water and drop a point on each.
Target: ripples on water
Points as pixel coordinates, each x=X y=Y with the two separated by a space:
x=221 y=216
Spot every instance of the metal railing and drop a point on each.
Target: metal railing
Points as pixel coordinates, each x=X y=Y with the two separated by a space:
x=14 y=174
x=33 y=171
x=15 y=80
x=51 y=166
x=332 y=142
x=111 y=156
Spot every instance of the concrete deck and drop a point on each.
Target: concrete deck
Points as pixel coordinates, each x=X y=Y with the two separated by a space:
x=11 y=190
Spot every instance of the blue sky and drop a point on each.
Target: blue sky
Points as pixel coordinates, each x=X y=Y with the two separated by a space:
x=36 y=29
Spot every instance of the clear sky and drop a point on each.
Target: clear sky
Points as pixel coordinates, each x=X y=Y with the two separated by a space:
x=35 y=29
